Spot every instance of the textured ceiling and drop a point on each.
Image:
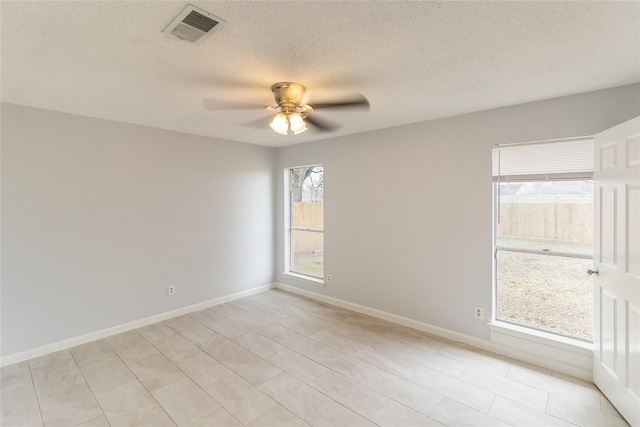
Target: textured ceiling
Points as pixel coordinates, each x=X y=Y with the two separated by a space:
x=415 y=61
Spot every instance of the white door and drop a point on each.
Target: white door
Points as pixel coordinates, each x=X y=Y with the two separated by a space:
x=616 y=361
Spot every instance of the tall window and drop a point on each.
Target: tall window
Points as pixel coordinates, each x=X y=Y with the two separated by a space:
x=306 y=229
x=543 y=235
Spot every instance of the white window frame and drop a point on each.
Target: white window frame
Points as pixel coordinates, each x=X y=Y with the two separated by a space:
x=288 y=229
x=553 y=175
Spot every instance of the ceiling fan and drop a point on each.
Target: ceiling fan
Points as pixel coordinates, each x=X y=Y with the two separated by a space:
x=292 y=115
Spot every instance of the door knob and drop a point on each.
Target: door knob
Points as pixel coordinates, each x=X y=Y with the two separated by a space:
x=593 y=272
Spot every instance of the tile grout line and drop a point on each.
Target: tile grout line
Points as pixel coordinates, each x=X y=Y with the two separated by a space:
x=495 y=395
x=223 y=364
x=330 y=369
x=138 y=380
x=366 y=386
x=174 y=363
x=35 y=391
x=89 y=387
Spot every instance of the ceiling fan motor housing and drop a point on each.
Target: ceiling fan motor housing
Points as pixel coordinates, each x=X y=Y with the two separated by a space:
x=288 y=94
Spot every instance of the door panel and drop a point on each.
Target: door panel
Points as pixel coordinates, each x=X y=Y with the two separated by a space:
x=633 y=151
x=633 y=237
x=634 y=345
x=608 y=331
x=616 y=340
x=608 y=156
x=608 y=226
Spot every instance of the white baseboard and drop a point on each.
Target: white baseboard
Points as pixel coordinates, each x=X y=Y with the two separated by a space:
x=92 y=336
x=576 y=362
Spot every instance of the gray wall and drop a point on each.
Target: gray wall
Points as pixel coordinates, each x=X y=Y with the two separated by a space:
x=408 y=209
x=99 y=217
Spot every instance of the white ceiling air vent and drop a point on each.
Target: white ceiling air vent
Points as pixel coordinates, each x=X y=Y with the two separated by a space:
x=194 y=24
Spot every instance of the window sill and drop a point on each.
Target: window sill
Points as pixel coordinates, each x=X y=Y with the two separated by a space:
x=307 y=279
x=541 y=337
x=558 y=353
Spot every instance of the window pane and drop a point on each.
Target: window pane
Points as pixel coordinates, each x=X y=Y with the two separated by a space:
x=307 y=215
x=307 y=253
x=552 y=293
x=555 y=215
x=307 y=184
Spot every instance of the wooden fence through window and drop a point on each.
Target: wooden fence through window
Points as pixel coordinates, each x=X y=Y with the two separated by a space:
x=569 y=221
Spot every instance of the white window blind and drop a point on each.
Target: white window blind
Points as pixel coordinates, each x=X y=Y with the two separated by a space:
x=567 y=159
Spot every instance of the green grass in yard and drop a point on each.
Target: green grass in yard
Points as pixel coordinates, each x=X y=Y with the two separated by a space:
x=309 y=263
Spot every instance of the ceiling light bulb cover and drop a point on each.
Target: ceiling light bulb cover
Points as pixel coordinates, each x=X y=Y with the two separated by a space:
x=297 y=123
x=280 y=124
x=295 y=132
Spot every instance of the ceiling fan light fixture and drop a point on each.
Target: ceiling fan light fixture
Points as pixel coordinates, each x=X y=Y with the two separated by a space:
x=295 y=132
x=280 y=124
x=286 y=121
x=292 y=115
x=296 y=123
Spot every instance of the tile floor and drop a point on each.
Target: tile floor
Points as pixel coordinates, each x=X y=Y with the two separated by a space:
x=277 y=359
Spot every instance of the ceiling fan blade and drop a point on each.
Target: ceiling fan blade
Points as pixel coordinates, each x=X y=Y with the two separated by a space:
x=321 y=124
x=358 y=101
x=219 y=104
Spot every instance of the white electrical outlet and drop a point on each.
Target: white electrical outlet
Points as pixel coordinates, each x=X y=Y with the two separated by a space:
x=328 y=278
x=171 y=290
x=479 y=313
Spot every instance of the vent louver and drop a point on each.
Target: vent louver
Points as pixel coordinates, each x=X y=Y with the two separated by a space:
x=193 y=24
